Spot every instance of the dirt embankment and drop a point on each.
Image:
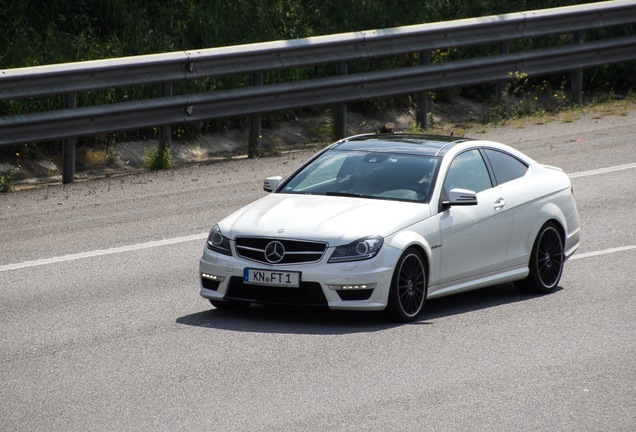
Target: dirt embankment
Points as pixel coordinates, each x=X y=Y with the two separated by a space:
x=298 y=134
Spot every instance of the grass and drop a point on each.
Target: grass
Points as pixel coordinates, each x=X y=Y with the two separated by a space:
x=540 y=112
x=320 y=128
x=568 y=116
x=155 y=159
x=6 y=181
x=543 y=105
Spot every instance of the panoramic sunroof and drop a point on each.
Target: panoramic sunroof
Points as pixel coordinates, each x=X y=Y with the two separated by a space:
x=400 y=143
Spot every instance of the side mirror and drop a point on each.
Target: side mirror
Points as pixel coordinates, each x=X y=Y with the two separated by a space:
x=462 y=197
x=271 y=183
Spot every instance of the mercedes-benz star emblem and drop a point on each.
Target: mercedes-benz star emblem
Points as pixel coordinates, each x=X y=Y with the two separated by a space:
x=274 y=252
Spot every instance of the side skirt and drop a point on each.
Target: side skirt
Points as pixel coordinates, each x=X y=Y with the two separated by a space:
x=481 y=281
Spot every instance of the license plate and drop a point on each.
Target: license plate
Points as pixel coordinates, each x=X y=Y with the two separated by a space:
x=271 y=278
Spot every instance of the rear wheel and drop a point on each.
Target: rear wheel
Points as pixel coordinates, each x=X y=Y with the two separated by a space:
x=546 y=262
x=230 y=304
x=408 y=287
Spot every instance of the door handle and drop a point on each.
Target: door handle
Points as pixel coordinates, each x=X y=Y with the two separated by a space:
x=500 y=203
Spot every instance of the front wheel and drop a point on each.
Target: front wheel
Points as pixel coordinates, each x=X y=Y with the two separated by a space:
x=408 y=287
x=546 y=262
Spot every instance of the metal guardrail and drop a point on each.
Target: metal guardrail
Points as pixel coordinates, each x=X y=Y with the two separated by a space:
x=166 y=68
x=151 y=69
x=344 y=88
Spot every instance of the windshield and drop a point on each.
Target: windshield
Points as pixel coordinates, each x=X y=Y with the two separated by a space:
x=400 y=177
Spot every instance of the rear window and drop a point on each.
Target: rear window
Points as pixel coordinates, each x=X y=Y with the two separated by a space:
x=505 y=166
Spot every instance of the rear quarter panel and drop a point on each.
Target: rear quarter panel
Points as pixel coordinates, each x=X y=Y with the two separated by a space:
x=543 y=194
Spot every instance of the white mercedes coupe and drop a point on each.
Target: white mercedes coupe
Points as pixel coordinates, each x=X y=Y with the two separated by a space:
x=384 y=222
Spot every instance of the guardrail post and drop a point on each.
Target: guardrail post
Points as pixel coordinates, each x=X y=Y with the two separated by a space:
x=504 y=48
x=165 y=132
x=421 y=117
x=577 y=74
x=340 y=119
x=68 y=148
x=254 y=144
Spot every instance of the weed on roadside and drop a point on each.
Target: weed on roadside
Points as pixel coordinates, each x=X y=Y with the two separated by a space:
x=272 y=150
x=6 y=181
x=156 y=159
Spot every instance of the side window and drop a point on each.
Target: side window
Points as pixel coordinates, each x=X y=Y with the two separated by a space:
x=506 y=167
x=468 y=171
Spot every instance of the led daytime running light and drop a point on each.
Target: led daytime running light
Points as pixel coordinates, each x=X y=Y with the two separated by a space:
x=353 y=287
x=213 y=277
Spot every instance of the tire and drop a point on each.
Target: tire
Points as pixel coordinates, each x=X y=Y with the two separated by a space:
x=230 y=304
x=546 y=262
x=408 y=287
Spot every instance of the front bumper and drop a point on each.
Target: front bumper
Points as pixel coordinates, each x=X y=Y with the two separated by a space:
x=221 y=278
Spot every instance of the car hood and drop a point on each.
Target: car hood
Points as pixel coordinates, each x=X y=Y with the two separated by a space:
x=336 y=220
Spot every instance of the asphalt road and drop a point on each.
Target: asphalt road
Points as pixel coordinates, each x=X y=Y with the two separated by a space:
x=102 y=327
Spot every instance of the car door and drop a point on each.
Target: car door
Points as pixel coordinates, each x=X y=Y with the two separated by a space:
x=509 y=173
x=475 y=237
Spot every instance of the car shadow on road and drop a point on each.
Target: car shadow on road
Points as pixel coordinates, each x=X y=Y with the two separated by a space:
x=324 y=321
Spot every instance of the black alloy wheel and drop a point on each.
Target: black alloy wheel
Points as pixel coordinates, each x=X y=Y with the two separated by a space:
x=408 y=287
x=546 y=262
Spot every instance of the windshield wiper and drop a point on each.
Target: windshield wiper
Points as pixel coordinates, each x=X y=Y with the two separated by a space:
x=348 y=194
x=343 y=194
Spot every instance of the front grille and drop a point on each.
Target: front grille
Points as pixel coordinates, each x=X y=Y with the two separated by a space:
x=308 y=293
x=296 y=251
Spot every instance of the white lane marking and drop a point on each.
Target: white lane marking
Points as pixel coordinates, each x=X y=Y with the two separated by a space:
x=139 y=246
x=165 y=242
x=573 y=175
x=602 y=170
x=101 y=252
x=135 y=212
x=603 y=252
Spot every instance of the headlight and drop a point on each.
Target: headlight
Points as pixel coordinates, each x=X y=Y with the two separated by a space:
x=362 y=249
x=218 y=242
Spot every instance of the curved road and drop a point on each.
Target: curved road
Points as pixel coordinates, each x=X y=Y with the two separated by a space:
x=102 y=327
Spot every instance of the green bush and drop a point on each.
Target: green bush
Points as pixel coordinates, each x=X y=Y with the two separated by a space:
x=157 y=159
x=6 y=181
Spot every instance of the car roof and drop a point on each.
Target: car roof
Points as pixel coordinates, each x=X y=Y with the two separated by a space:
x=417 y=144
